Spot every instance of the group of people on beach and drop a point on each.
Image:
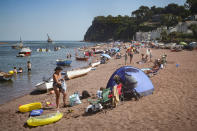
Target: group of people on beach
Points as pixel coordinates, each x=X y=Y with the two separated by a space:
x=58 y=79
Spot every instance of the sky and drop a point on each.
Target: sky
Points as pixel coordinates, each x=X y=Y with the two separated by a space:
x=61 y=19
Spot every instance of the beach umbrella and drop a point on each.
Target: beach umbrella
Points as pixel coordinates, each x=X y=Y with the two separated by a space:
x=183 y=43
x=106 y=55
x=144 y=85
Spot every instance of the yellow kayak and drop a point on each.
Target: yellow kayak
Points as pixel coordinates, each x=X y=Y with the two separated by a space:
x=30 y=107
x=45 y=119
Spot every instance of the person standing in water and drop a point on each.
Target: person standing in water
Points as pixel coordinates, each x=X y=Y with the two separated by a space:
x=28 y=66
x=15 y=70
x=57 y=86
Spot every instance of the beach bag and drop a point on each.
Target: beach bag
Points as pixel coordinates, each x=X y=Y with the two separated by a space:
x=63 y=86
x=74 y=99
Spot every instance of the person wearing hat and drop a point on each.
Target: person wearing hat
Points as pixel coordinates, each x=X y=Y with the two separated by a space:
x=57 y=86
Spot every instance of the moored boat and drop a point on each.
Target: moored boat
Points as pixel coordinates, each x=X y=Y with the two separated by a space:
x=98 y=51
x=63 y=62
x=82 y=58
x=26 y=51
x=5 y=76
x=45 y=85
x=49 y=40
x=18 y=45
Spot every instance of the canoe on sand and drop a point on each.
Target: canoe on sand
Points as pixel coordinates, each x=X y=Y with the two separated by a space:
x=77 y=73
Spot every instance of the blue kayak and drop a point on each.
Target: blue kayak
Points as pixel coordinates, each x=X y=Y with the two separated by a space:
x=63 y=62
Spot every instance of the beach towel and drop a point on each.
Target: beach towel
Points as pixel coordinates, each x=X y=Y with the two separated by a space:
x=115 y=98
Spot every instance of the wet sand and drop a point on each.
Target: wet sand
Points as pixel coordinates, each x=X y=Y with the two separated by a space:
x=172 y=106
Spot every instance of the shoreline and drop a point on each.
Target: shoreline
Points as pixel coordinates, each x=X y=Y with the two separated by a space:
x=172 y=105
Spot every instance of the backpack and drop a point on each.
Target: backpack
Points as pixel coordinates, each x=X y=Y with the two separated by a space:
x=85 y=94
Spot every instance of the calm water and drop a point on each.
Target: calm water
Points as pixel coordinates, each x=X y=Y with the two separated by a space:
x=43 y=64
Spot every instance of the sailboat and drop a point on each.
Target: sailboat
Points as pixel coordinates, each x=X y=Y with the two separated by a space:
x=18 y=45
x=49 y=39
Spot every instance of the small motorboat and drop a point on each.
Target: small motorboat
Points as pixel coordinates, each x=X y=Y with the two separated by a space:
x=45 y=85
x=5 y=76
x=63 y=62
x=25 y=51
x=82 y=58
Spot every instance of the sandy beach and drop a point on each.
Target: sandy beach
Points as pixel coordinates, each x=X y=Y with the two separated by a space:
x=172 y=106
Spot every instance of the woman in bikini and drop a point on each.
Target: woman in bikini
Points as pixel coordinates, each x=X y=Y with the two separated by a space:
x=57 y=86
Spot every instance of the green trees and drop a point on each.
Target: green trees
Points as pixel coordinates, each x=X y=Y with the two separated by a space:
x=116 y=28
x=193 y=27
x=192 y=6
x=143 y=19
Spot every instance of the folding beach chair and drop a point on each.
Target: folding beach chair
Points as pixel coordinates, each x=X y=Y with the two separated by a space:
x=104 y=100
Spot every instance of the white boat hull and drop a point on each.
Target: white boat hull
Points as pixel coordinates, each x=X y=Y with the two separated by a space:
x=78 y=73
x=47 y=85
x=95 y=64
x=43 y=86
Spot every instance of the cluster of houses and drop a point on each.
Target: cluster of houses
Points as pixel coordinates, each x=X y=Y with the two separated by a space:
x=182 y=27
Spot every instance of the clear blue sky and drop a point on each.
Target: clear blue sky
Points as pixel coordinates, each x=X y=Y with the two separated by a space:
x=62 y=19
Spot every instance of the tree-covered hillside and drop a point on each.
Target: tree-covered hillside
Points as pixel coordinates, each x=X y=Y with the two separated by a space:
x=143 y=19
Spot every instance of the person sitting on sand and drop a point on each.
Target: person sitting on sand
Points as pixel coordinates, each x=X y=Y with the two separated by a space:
x=99 y=93
x=57 y=86
x=128 y=86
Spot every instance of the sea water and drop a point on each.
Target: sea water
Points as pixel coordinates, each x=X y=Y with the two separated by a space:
x=43 y=64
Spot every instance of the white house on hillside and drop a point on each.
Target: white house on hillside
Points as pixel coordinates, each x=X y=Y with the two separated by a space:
x=182 y=27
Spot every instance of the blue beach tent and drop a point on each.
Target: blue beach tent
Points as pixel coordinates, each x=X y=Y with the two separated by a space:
x=144 y=85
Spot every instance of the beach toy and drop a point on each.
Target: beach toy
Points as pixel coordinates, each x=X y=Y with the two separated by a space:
x=30 y=107
x=44 y=119
x=49 y=104
x=36 y=112
x=11 y=72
